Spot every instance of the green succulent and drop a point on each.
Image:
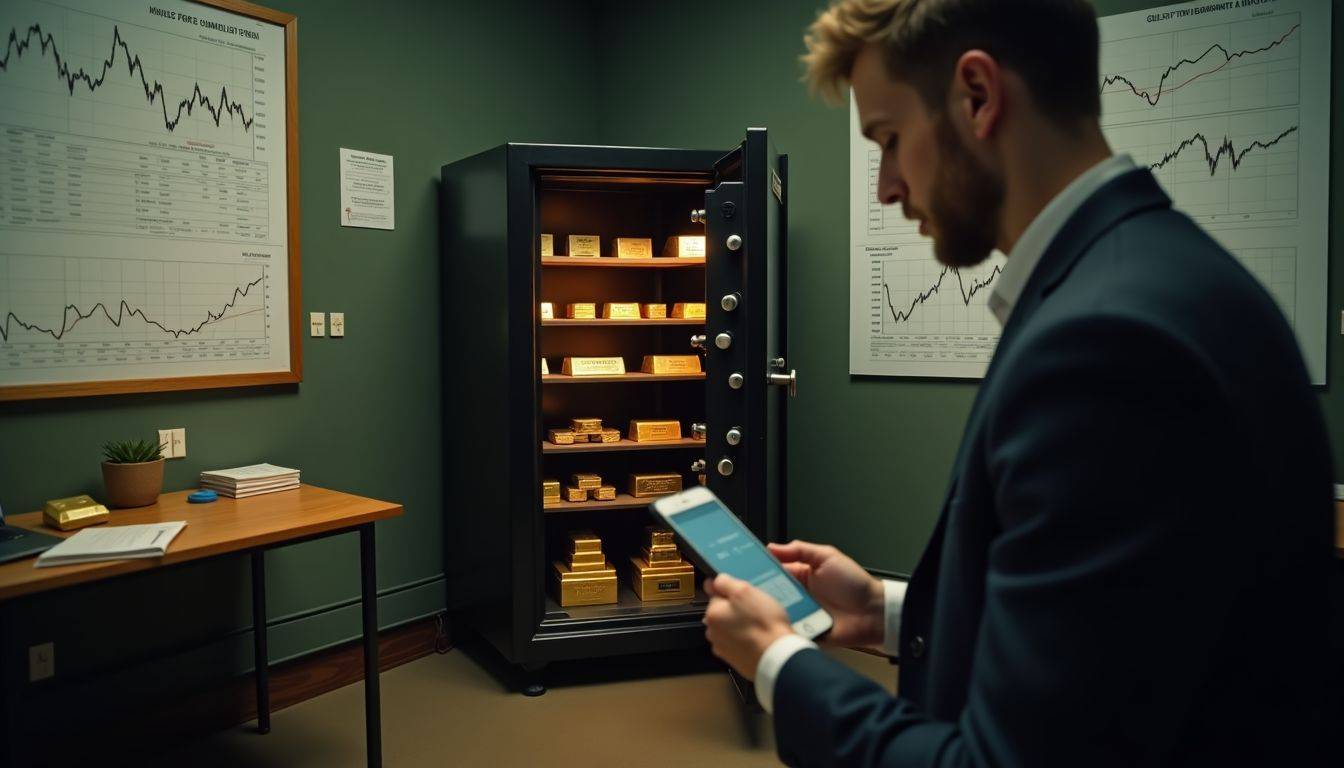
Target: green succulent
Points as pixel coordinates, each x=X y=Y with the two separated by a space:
x=132 y=451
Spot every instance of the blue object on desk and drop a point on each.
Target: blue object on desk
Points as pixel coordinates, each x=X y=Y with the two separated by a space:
x=202 y=497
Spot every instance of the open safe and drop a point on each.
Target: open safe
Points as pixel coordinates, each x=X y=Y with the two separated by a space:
x=502 y=541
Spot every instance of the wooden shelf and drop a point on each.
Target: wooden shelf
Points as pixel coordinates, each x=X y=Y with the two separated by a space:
x=609 y=262
x=642 y=378
x=622 y=501
x=562 y=322
x=623 y=445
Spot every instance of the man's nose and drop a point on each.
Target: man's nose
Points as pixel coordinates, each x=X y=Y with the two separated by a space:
x=890 y=187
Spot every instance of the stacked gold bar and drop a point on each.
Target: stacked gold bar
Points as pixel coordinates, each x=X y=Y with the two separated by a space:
x=550 y=492
x=585 y=577
x=660 y=573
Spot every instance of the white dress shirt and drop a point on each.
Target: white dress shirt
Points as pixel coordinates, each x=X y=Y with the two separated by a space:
x=1026 y=253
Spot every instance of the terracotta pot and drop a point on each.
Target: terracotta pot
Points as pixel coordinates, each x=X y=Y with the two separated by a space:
x=133 y=485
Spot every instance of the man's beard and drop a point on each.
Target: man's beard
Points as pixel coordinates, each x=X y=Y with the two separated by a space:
x=966 y=205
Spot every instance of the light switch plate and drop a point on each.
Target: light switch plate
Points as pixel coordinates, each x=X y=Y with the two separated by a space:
x=41 y=662
x=337 y=324
x=317 y=324
x=180 y=443
x=166 y=440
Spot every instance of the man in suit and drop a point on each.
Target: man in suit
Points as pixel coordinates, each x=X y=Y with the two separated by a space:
x=1134 y=564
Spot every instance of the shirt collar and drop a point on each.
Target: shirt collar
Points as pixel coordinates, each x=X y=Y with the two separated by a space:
x=1030 y=247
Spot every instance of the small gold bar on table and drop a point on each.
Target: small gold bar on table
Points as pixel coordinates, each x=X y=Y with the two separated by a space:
x=587 y=482
x=584 y=541
x=581 y=310
x=689 y=310
x=685 y=246
x=587 y=578
x=73 y=512
x=654 y=430
x=666 y=365
x=574 y=495
x=653 y=311
x=560 y=436
x=654 y=484
x=585 y=246
x=547 y=310
x=620 y=310
x=593 y=366
x=633 y=248
x=604 y=493
x=585 y=424
x=606 y=436
x=547 y=246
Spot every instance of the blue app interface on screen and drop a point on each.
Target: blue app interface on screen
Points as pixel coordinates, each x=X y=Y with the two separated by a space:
x=728 y=548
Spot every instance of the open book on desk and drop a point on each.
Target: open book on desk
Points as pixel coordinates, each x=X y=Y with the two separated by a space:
x=113 y=542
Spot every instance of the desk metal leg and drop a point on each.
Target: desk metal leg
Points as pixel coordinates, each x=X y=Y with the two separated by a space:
x=373 y=727
x=260 y=658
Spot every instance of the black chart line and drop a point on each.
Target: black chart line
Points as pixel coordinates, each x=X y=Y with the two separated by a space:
x=924 y=296
x=122 y=312
x=1153 y=97
x=153 y=93
x=1226 y=148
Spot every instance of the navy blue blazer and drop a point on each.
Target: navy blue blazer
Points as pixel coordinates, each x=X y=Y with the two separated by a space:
x=1135 y=561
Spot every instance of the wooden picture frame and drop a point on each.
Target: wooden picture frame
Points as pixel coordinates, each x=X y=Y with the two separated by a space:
x=292 y=324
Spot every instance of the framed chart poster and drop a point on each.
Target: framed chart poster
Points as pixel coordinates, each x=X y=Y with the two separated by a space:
x=149 y=197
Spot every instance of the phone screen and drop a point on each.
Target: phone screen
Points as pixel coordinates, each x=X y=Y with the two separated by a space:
x=728 y=547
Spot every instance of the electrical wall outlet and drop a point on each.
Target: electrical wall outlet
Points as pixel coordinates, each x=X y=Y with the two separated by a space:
x=317 y=324
x=41 y=662
x=337 y=324
x=166 y=440
x=180 y=443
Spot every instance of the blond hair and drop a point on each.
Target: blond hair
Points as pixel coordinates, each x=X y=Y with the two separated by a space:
x=1052 y=44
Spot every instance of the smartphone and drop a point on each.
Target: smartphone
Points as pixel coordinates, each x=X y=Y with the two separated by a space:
x=722 y=544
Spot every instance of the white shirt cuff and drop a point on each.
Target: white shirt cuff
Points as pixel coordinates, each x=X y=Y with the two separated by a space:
x=772 y=661
x=894 y=599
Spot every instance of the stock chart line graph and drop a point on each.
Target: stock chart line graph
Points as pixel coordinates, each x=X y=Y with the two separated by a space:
x=977 y=284
x=1153 y=95
x=16 y=48
x=1225 y=150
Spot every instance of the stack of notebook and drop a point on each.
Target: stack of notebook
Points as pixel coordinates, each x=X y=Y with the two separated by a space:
x=253 y=480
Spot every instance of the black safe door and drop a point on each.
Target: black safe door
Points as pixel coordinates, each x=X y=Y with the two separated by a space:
x=748 y=378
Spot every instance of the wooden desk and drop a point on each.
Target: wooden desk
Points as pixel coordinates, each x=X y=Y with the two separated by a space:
x=227 y=527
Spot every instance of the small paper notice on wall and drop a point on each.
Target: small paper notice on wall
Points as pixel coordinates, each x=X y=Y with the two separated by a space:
x=367 y=190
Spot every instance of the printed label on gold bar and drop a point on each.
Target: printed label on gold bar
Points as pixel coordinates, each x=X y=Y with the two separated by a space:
x=620 y=310
x=689 y=310
x=560 y=436
x=604 y=493
x=642 y=486
x=667 y=365
x=581 y=310
x=685 y=246
x=594 y=366
x=586 y=246
x=658 y=582
x=654 y=430
x=633 y=248
x=547 y=310
x=573 y=494
x=547 y=245
x=586 y=481
x=653 y=311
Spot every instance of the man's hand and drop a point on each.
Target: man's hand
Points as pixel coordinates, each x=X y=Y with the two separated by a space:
x=741 y=622
x=854 y=599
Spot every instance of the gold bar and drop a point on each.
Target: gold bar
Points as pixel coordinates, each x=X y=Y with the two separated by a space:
x=633 y=248
x=654 y=430
x=593 y=366
x=74 y=512
x=585 y=424
x=660 y=535
x=689 y=310
x=606 y=436
x=601 y=565
x=645 y=485
x=550 y=489
x=662 y=582
x=573 y=588
x=547 y=245
x=586 y=246
x=667 y=365
x=584 y=541
x=586 y=558
x=575 y=495
x=620 y=310
x=586 y=481
x=547 y=310
x=560 y=436
x=581 y=310
x=604 y=493
x=653 y=311
x=685 y=246
x=658 y=554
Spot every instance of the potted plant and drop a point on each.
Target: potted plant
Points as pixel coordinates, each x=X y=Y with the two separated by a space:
x=132 y=473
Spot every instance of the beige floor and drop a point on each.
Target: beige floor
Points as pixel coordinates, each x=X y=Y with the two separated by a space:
x=445 y=710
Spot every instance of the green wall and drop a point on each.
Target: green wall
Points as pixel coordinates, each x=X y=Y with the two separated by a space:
x=869 y=458
x=428 y=82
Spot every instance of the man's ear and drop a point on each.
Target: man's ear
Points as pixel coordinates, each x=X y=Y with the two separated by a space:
x=977 y=92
